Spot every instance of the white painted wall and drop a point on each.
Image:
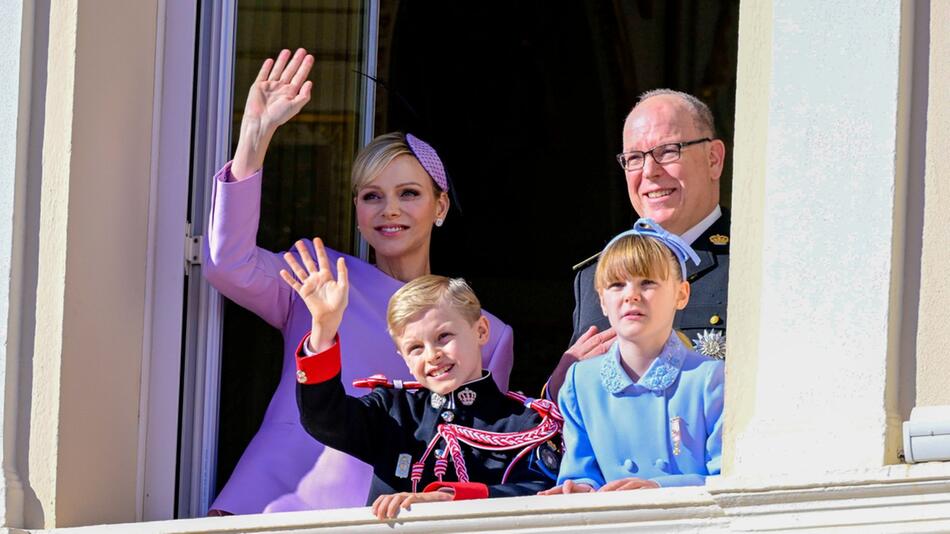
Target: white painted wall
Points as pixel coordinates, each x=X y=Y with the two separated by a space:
x=15 y=87
x=86 y=366
x=831 y=222
x=933 y=336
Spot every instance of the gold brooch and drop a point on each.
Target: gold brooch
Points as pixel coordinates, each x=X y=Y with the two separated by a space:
x=719 y=239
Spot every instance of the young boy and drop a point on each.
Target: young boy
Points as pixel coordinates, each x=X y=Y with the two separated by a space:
x=648 y=412
x=410 y=432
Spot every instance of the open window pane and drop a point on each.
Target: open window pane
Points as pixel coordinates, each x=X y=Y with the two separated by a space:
x=306 y=189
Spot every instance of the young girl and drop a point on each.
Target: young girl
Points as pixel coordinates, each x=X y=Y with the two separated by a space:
x=648 y=412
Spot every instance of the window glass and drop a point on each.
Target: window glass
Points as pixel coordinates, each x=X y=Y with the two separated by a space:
x=306 y=187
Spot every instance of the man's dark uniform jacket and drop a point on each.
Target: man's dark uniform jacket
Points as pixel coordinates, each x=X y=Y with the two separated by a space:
x=709 y=283
x=380 y=427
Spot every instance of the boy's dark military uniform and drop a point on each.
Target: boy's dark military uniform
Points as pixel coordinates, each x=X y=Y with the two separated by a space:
x=380 y=427
x=709 y=283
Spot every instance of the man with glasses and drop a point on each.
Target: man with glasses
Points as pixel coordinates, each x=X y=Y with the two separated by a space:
x=672 y=162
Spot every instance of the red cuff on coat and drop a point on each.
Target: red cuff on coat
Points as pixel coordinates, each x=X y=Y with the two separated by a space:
x=319 y=367
x=463 y=490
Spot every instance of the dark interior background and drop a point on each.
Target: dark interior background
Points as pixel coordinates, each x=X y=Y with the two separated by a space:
x=525 y=101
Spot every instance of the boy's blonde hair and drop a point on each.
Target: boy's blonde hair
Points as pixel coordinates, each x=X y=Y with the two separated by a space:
x=427 y=292
x=635 y=256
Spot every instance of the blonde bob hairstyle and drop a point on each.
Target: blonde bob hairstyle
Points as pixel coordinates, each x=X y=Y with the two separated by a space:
x=425 y=293
x=373 y=158
x=635 y=256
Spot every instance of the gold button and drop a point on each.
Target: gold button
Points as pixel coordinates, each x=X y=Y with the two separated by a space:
x=714 y=319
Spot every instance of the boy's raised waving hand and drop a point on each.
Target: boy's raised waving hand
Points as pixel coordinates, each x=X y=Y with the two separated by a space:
x=324 y=295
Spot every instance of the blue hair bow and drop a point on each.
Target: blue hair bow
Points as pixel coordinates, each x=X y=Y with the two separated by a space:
x=650 y=228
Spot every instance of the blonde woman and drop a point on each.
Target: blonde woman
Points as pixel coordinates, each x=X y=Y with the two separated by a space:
x=400 y=194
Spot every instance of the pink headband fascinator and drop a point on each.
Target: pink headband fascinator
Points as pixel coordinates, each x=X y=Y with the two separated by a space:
x=429 y=159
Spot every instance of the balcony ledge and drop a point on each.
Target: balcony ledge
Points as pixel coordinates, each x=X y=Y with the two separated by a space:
x=653 y=511
x=899 y=498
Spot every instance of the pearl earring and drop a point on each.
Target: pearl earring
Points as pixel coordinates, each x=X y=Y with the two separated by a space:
x=438 y=222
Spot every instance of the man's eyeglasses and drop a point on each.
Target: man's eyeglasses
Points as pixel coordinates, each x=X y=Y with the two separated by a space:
x=662 y=154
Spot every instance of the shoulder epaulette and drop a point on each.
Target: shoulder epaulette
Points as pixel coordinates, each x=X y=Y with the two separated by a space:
x=380 y=381
x=586 y=262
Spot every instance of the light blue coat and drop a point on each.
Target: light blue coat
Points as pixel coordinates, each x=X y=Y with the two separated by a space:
x=616 y=428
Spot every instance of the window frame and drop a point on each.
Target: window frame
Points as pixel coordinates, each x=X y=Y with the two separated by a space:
x=165 y=266
x=182 y=346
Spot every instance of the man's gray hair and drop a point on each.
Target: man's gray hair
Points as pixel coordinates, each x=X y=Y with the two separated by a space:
x=702 y=116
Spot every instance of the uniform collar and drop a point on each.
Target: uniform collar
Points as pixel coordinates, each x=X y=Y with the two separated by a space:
x=693 y=233
x=474 y=393
x=661 y=374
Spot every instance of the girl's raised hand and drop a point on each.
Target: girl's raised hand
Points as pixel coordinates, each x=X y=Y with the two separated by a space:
x=281 y=89
x=324 y=296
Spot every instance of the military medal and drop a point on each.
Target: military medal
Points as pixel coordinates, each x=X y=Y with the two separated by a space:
x=548 y=455
x=711 y=343
x=402 y=465
x=676 y=434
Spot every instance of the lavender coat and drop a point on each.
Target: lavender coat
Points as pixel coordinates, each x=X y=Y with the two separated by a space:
x=283 y=468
